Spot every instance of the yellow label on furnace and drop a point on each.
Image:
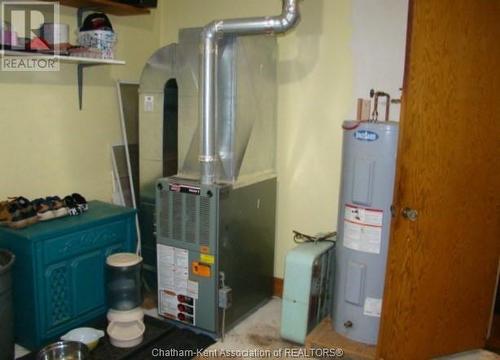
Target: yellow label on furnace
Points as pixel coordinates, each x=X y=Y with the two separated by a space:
x=207 y=259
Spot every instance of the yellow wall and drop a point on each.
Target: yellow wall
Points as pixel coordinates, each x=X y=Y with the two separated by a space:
x=315 y=96
x=48 y=146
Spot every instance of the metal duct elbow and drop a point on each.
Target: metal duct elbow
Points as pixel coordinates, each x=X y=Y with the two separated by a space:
x=249 y=26
x=290 y=16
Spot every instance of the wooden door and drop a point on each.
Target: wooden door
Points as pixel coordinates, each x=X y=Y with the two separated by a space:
x=442 y=267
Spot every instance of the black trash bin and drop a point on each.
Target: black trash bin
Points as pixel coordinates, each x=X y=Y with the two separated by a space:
x=6 y=311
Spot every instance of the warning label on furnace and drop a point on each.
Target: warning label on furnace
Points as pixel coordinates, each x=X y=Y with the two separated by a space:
x=363 y=228
x=177 y=294
x=173 y=269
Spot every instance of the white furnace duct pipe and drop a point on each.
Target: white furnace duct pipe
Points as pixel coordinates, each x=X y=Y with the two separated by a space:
x=209 y=38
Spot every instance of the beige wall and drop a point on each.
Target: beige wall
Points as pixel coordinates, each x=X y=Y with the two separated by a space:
x=48 y=146
x=315 y=95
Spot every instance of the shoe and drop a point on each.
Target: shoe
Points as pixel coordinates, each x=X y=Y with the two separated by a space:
x=57 y=206
x=43 y=210
x=72 y=206
x=22 y=213
x=80 y=202
x=8 y=211
x=16 y=219
x=5 y=215
x=27 y=210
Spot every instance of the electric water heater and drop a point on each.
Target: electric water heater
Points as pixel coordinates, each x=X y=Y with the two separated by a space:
x=368 y=169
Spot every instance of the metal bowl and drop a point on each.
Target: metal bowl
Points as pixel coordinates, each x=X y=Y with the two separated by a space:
x=64 y=350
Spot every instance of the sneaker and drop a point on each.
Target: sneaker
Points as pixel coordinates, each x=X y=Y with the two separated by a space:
x=72 y=206
x=80 y=202
x=57 y=206
x=43 y=210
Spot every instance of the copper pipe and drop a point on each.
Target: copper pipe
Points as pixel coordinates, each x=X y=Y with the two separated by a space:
x=376 y=94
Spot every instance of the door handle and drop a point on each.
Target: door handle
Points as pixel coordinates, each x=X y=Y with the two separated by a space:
x=410 y=214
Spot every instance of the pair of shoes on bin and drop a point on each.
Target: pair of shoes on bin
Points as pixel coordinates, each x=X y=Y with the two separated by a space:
x=53 y=207
x=19 y=212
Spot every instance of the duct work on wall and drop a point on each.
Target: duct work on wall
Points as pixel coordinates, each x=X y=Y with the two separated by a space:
x=209 y=38
x=246 y=107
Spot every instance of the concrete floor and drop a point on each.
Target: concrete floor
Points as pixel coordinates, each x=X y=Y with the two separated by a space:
x=261 y=332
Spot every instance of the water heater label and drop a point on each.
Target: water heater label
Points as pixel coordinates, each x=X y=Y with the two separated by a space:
x=372 y=307
x=365 y=135
x=363 y=228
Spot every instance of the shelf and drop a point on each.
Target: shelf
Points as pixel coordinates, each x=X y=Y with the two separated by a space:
x=83 y=6
x=65 y=58
x=80 y=62
x=107 y=6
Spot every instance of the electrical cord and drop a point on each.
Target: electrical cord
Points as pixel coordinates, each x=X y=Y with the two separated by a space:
x=223 y=330
x=301 y=238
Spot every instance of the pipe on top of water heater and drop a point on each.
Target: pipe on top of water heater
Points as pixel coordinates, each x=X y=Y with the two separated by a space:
x=376 y=94
x=209 y=38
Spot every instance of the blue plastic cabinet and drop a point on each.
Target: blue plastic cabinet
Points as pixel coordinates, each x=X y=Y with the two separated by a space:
x=59 y=274
x=307 y=291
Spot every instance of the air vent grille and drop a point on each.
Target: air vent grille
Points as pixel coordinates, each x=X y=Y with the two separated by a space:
x=184 y=217
x=177 y=213
x=164 y=216
x=204 y=221
x=190 y=219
